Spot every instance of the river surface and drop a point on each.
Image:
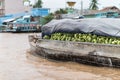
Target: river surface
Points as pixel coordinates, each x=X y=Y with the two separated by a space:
x=17 y=63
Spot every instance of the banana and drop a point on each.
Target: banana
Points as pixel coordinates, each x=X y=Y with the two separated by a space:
x=84 y=38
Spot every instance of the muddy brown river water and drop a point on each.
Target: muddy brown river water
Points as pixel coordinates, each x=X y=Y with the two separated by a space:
x=17 y=63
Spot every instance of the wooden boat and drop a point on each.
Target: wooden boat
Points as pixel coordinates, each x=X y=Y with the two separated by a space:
x=82 y=52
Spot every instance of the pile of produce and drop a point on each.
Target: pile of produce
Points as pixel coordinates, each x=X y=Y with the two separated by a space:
x=84 y=38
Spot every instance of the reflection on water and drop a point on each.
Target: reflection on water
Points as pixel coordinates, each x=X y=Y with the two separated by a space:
x=17 y=63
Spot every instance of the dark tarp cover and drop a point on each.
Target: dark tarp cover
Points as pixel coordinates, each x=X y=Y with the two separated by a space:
x=98 y=26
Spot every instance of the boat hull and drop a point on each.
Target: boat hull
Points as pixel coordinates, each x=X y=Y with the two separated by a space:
x=20 y=31
x=88 y=53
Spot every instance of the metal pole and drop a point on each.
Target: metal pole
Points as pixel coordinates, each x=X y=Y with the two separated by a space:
x=81 y=7
x=65 y=4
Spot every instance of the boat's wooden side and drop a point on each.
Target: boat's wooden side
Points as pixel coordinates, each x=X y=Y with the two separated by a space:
x=97 y=54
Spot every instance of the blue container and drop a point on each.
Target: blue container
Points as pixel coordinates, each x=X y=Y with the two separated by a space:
x=40 y=11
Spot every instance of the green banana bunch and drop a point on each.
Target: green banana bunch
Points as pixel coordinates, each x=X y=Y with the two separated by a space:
x=84 y=38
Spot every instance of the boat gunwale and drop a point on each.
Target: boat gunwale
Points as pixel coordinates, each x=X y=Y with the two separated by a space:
x=89 y=43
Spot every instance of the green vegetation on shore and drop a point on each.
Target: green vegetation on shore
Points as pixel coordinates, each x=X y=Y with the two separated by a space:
x=83 y=38
x=94 y=5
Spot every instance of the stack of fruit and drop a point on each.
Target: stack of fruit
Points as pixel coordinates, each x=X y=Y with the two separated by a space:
x=84 y=38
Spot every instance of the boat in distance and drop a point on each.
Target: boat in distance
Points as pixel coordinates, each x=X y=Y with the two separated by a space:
x=23 y=24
